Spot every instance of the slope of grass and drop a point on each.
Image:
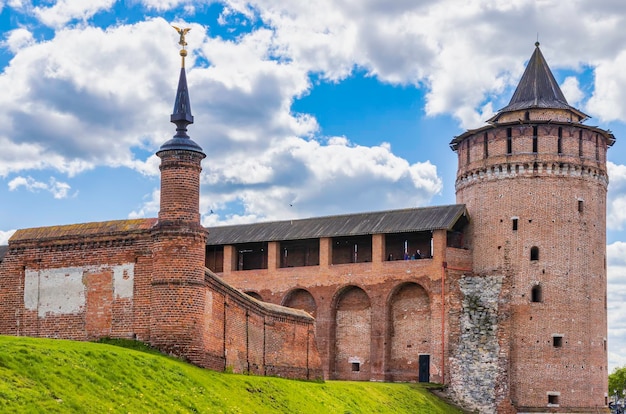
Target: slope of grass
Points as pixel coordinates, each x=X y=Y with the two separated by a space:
x=56 y=376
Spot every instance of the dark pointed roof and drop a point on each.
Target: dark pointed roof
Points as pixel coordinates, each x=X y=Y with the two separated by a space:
x=182 y=117
x=538 y=89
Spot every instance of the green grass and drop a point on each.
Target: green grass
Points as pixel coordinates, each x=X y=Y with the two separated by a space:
x=57 y=376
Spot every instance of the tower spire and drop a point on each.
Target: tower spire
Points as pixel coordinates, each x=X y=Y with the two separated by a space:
x=181 y=115
x=537 y=89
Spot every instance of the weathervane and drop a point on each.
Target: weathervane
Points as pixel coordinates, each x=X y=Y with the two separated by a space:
x=182 y=42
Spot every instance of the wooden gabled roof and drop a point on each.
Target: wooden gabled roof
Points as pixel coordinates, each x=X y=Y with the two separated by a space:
x=380 y=222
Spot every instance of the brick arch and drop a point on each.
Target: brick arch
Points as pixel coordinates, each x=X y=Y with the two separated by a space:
x=254 y=294
x=409 y=331
x=352 y=323
x=301 y=299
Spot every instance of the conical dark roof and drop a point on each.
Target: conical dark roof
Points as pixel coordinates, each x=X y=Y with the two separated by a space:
x=538 y=89
x=181 y=116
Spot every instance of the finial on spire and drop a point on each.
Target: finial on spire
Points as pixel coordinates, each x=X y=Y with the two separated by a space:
x=182 y=42
x=182 y=108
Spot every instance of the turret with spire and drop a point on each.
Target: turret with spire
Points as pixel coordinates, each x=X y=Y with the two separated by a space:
x=178 y=299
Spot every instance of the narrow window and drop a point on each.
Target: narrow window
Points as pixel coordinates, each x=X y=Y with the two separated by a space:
x=597 y=148
x=553 y=399
x=580 y=143
x=509 y=141
x=527 y=116
x=534 y=253
x=559 y=142
x=485 y=145
x=557 y=341
x=515 y=224
x=580 y=206
x=467 y=160
x=535 y=294
x=356 y=366
x=535 y=139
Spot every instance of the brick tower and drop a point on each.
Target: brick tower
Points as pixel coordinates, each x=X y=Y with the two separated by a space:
x=178 y=289
x=534 y=182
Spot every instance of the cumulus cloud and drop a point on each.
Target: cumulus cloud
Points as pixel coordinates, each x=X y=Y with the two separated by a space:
x=81 y=99
x=150 y=207
x=5 y=236
x=609 y=96
x=616 y=203
x=616 y=256
x=17 y=39
x=57 y=188
x=64 y=11
x=299 y=178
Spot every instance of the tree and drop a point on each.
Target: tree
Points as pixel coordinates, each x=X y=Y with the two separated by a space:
x=617 y=382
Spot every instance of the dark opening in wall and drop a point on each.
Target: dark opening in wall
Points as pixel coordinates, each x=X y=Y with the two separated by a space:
x=515 y=224
x=534 y=253
x=296 y=253
x=580 y=206
x=485 y=145
x=560 y=141
x=553 y=399
x=580 y=143
x=356 y=366
x=352 y=249
x=509 y=141
x=536 y=294
x=535 y=143
x=557 y=341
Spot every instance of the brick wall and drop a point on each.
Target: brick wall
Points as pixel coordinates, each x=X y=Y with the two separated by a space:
x=347 y=333
x=93 y=285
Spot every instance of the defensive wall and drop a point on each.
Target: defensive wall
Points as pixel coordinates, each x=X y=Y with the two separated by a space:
x=94 y=280
x=377 y=318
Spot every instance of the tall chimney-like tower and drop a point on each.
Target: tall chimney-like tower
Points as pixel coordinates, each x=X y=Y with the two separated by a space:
x=178 y=289
x=534 y=182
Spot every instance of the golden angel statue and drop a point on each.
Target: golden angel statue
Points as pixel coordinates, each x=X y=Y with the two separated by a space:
x=182 y=33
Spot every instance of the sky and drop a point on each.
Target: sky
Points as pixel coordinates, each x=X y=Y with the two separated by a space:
x=303 y=108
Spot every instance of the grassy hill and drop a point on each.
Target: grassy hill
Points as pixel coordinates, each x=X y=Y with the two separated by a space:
x=56 y=376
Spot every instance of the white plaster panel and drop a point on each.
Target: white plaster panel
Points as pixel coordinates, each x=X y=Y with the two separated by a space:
x=31 y=289
x=123 y=280
x=61 y=291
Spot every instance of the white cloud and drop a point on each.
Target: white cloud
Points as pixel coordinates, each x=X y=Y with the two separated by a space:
x=64 y=11
x=82 y=99
x=17 y=39
x=299 y=178
x=5 y=236
x=57 y=188
x=616 y=256
x=150 y=207
x=164 y=5
x=572 y=92
x=616 y=203
x=609 y=96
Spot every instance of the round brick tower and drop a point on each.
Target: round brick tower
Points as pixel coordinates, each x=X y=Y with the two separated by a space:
x=178 y=290
x=534 y=182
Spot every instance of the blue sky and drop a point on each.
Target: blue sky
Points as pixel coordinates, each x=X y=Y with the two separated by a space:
x=303 y=108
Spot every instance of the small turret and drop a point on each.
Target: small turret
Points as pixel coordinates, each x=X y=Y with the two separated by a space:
x=178 y=298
